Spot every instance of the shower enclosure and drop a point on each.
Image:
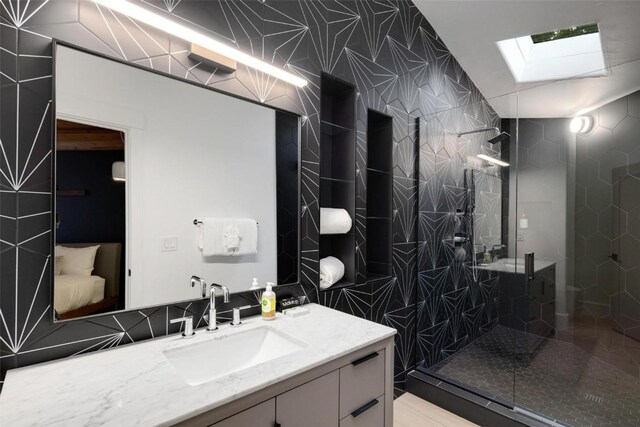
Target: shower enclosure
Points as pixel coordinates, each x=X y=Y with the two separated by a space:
x=529 y=269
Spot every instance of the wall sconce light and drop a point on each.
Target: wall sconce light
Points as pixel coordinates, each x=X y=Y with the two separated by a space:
x=119 y=171
x=492 y=160
x=155 y=20
x=581 y=124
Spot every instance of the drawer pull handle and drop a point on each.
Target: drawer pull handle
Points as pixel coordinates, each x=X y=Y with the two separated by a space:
x=364 y=408
x=364 y=359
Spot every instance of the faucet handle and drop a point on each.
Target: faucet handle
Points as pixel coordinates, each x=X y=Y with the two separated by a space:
x=188 y=325
x=236 y=315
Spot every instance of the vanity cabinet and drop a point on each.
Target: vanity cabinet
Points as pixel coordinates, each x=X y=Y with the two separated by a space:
x=355 y=390
x=539 y=313
x=528 y=305
x=293 y=408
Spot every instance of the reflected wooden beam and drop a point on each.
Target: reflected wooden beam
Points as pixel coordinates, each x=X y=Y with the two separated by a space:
x=73 y=136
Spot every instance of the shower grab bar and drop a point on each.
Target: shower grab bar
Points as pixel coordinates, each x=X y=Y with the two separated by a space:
x=197 y=222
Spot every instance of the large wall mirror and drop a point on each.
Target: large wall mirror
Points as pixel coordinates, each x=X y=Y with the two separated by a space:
x=158 y=180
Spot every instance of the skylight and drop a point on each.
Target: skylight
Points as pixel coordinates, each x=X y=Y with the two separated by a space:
x=565 y=33
x=568 y=53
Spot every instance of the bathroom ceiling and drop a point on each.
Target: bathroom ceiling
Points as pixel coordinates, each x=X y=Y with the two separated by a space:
x=470 y=29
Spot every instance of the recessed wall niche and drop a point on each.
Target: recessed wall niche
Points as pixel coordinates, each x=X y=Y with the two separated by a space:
x=337 y=169
x=379 y=194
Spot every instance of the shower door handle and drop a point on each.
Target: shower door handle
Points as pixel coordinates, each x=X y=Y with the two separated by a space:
x=529 y=260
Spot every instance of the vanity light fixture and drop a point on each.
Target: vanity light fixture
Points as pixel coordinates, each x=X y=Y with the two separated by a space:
x=492 y=160
x=155 y=20
x=118 y=171
x=581 y=124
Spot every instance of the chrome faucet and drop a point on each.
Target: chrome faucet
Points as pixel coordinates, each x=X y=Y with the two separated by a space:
x=213 y=321
x=494 y=257
x=195 y=280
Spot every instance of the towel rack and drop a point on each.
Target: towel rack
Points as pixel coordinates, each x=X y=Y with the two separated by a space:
x=196 y=222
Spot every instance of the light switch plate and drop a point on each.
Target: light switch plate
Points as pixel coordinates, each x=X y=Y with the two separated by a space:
x=169 y=244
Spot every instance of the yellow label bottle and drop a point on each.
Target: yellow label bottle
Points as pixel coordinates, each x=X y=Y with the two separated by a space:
x=268 y=303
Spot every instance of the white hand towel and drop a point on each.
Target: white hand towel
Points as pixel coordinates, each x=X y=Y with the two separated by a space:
x=228 y=236
x=231 y=238
x=334 y=221
x=248 y=232
x=331 y=271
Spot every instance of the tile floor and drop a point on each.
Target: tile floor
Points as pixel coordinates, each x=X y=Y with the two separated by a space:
x=597 y=336
x=411 y=411
x=554 y=378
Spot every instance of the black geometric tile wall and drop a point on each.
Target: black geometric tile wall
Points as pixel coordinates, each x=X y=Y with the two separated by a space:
x=385 y=48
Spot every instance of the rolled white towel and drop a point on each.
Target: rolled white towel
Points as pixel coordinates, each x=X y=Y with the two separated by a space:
x=331 y=271
x=334 y=221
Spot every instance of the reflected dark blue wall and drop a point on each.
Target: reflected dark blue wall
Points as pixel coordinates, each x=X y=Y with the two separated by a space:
x=100 y=215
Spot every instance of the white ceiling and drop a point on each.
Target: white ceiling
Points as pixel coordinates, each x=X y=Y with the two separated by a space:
x=471 y=28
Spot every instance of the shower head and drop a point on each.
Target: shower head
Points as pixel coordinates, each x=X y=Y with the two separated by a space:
x=502 y=136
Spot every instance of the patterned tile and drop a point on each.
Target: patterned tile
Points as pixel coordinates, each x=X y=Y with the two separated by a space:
x=387 y=49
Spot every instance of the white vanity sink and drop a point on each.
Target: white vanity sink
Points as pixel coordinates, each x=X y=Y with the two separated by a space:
x=510 y=263
x=195 y=375
x=223 y=355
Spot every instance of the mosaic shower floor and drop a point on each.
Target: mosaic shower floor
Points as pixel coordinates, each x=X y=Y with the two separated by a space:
x=553 y=378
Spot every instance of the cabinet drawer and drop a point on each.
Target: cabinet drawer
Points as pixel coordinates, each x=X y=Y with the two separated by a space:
x=370 y=415
x=361 y=381
x=262 y=415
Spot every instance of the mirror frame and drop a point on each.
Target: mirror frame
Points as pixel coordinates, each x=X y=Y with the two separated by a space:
x=58 y=42
x=471 y=168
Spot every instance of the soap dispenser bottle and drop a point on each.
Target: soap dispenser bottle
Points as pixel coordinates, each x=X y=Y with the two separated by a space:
x=268 y=303
x=254 y=285
x=487 y=259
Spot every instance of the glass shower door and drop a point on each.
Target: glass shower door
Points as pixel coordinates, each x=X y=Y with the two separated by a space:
x=538 y=257
x=464 y=310
x=575 y=216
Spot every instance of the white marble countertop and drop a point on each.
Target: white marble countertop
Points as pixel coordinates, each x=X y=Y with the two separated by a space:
x=135 y=385
x=512 y=265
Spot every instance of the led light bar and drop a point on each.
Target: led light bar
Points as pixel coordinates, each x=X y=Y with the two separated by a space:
x=492 y=160
x=160 y=22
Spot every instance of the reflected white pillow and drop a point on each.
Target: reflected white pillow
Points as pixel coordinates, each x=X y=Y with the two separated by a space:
x=58 y=265
x=77 y=261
